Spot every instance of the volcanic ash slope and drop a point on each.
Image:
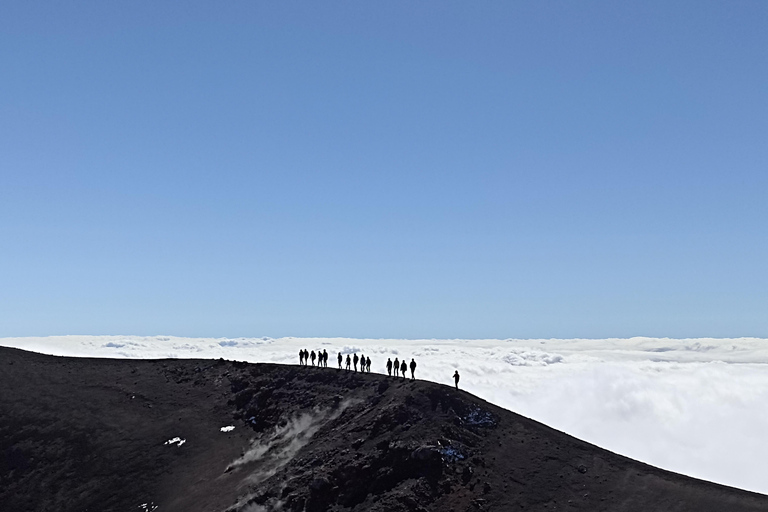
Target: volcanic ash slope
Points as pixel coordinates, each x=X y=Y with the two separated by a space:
x=212 y=436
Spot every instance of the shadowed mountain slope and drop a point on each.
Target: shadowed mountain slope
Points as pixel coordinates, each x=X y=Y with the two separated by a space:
x=87 y=435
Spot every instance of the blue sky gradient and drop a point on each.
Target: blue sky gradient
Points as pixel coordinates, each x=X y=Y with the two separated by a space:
x=391 y=169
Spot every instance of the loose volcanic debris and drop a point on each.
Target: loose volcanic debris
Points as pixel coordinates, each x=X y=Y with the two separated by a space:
x=79 y=432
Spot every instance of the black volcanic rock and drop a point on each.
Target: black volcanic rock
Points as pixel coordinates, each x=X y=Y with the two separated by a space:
x=86 y=435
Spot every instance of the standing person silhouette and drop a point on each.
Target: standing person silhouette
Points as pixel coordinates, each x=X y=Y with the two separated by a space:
x=389 y=366
x=349 y=362
x=301 y=357
x=368 y=364
x=340 y=360
x=456 y=378
x=325 y=359
x=355 y=360
x=397 y=367
x=312 y=357
x=413 y=368
x=403 y=368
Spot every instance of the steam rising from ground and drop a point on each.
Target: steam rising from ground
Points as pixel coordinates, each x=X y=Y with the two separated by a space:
x=253 y=507
x=276 y=449
x=272 y=451
x=695 y=406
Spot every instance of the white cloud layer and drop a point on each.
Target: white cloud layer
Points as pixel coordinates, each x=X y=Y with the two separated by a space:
x=694 y=406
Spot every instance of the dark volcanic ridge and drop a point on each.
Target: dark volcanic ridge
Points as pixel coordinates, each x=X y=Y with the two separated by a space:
x=87 y=435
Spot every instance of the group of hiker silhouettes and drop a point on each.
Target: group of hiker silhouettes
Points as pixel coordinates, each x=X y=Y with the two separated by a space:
x=306 y=357
x=321 y=357
x=399 y=367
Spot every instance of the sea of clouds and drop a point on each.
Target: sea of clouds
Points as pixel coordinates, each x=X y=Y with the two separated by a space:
x=694 y=406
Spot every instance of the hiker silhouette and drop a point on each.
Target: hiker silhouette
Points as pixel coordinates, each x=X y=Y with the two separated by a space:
x=301 y=356
x=325 y=359
x=456 y=378
x=403 y=368
x=349 y=362
x=340 y=360
x=397 y=367
x=413 y=368
x=312 y=357
x=355 y=360
x=389 y=366
x=368 y=364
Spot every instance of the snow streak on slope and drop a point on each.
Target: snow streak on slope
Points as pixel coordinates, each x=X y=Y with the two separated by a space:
x=695 y=406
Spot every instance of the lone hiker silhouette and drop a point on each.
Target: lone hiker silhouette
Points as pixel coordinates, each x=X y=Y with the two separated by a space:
x=413 y=368
x=397 y=367
x=389 y=366
x=403 y=368
x=340 y=359
x=456 y=378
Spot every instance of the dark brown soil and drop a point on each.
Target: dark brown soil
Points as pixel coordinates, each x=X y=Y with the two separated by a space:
x=88 y=435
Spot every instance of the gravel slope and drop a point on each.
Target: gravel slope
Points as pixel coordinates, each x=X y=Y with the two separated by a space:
x=87 y=435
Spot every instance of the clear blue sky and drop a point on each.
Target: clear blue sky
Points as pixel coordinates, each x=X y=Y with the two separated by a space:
x=384 y=169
